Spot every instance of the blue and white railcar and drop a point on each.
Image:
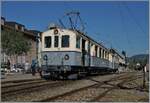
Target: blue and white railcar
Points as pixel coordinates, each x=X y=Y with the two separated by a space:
x=66 y=52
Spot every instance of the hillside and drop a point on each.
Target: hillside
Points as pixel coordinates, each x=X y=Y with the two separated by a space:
x=140 y=58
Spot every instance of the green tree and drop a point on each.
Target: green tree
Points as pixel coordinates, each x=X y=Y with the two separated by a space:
x=13 y=43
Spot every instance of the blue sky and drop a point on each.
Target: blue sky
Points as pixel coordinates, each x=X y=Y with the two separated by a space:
x=122 y=25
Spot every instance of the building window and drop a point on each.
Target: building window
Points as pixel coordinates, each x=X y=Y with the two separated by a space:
x=78 y=42
x=56 y=41
x=65 y=41
x=47 y=41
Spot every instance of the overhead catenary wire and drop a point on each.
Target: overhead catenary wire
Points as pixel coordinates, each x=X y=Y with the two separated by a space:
x=124 y=26
x=109 y=44
x=61 y=23
x=133 y=17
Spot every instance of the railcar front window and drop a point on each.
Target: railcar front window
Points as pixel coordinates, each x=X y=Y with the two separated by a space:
x=78 y=42
x=65 y=41
x=56 y=41
x=48 y=42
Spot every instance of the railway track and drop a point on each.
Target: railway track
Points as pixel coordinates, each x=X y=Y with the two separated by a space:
x=27 y=87
x=18 y=81
x=117 y=86
x=22 y=83
x=123 y=78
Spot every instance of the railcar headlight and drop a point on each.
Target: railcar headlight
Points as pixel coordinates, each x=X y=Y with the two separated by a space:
x=66 y=57
x=55 y=31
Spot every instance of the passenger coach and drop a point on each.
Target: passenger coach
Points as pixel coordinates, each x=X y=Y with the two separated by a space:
x=68 y=52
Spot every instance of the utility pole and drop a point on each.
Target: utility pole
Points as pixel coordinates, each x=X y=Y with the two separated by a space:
x=144 y=74
x=37 y=41
x=37 y=47
x=143 y=77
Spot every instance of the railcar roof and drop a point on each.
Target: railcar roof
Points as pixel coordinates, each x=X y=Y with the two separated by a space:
x=83 y=34
x=90 y=38
x=120 y=55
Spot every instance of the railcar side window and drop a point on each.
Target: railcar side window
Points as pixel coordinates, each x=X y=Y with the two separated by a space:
x=100 y=52
x=47 y=41
x=77 y=42
x=88 y=47
x=107 y=56
x=65 y=41
x=56 y=41
x=103 y=53
x=96 y=51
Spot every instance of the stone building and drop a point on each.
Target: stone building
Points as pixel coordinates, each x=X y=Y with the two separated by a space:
x=30 y=35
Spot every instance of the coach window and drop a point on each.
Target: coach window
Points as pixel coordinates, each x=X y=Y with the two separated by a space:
x=100 y=52
x=107 y=55
x=104 y=54
x=78 y=42
x=47 y=41
x=96 y=51
x=89 y=47
x=56 y=41
x=65 y=41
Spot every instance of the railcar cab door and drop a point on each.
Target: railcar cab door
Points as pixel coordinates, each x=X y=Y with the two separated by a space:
x=83 y=52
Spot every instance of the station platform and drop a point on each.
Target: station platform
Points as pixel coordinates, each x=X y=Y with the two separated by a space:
x=19 y=76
